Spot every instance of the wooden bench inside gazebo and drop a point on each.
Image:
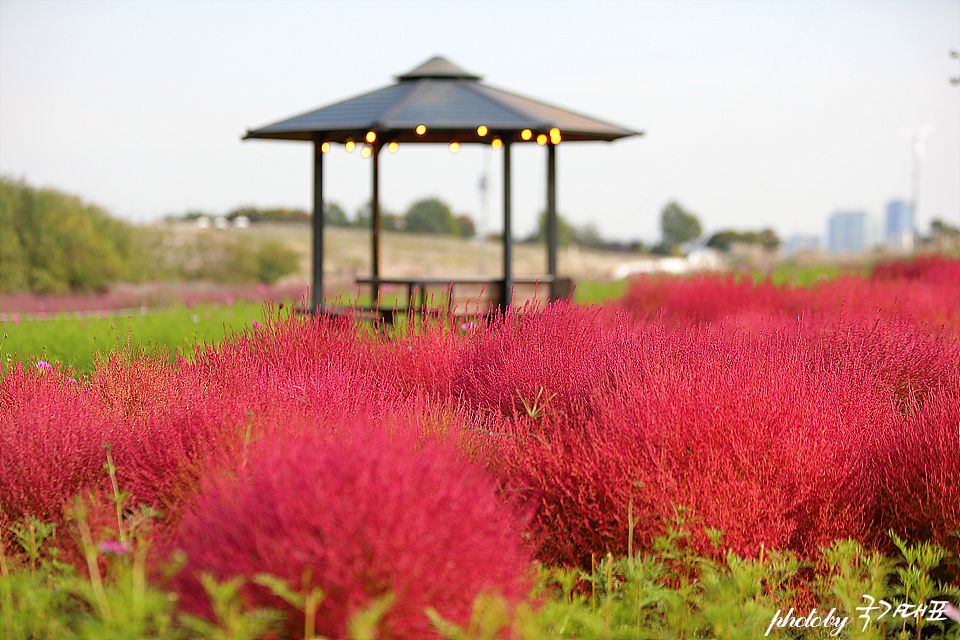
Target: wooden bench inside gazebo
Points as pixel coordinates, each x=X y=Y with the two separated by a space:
x=440 y=103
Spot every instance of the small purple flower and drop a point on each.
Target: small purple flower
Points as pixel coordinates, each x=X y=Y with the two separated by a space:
x=71 y=379
x=256 y=325
x=468 y=326
x=46 y=366
x=16 y=318
x=952 y=612
x=113 y=546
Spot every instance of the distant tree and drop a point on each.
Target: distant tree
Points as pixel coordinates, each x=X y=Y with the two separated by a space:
x=941 y=229
x=389 y=221
x=392 y=221
x=769 y=239
x=678 y=226
x=335 y=216
x=465 y=226
x=589 y=236
x=566 y=232
x=724 y=240
x=431 y=215
x=277 y=214
x=274 y=260
x=53 y=242
x=362 y=220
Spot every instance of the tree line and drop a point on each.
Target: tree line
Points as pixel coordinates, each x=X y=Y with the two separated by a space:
x=428 y=215
x=53 y=242
x=679 y=228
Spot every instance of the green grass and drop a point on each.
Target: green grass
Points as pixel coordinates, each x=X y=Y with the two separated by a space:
x=76 y=342
x=596 y=292
x=799 y=275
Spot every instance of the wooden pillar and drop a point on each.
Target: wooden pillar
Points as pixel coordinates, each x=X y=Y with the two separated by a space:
x=552 y=210
x=375 y=224
x=316 y=290
x=506 y=296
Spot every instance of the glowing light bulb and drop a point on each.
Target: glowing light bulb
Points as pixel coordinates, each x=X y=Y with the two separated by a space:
x=482 y=130
x=324 y=147
x=542 y=138
x=454 y=146
x=349 y=145
x=366 y=151
x=371 y=137
x=554 y=136
x=496 y=143
x=526 y=134
x=392 y=147
x=421 y=129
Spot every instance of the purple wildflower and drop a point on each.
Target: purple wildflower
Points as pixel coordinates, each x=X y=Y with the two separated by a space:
x=43 y=364
x=113 y=546
x=952 y=612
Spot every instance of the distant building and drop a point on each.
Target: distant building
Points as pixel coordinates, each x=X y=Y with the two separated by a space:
x=800 y=243
x=852 y=232
x=899 y=232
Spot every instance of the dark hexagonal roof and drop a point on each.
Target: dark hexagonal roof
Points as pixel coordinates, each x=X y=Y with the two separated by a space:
x=450 y=102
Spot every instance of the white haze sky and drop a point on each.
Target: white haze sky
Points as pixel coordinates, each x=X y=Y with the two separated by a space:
x=757 y=113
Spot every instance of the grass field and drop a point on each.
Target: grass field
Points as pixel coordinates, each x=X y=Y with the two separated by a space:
x=77 y=342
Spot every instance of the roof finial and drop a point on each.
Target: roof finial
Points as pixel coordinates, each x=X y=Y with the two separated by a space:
x=438 y=67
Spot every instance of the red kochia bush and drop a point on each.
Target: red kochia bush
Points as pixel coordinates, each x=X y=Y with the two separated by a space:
x=749 y=433
x=362 y=514
x=709 y=298
x=919 y=470
x=924 y=289
x=932 y=268
x=545 y=360
x=51 y=441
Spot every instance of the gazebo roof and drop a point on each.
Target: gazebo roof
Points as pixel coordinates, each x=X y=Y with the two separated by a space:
x=450 y=102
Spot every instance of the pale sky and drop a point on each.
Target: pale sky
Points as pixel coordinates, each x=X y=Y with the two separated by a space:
x=765 y=113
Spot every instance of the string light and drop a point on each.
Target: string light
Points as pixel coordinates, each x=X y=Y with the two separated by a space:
x=349 y=145
x=482 y=130
x=366 y=151
x=324 y=147
x=392 y=147
x=526 y=134
x=421 y=129
x=554 y=136
x=542 y=138
x=496 y=143
x=371 y=137
x=454 y=146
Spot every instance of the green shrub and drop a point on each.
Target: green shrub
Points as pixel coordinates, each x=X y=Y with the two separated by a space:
x=53 y=242
x=275 y=260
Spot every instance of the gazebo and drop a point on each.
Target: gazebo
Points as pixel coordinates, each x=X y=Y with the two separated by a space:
x=437 y=102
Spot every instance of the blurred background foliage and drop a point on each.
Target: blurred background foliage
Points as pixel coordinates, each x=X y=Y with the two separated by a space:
x=53 y=242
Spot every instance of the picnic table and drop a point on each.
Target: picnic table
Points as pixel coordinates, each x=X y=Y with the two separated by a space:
x=462 y=295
